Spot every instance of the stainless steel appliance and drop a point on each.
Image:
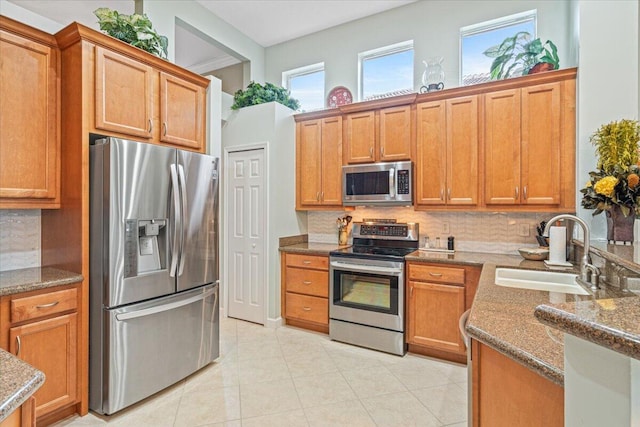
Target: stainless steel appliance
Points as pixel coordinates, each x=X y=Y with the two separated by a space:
x=366 y=289
x=153 y=269
x=376 y=184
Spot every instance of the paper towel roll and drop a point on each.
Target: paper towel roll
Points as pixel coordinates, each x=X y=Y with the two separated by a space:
x=557 y=244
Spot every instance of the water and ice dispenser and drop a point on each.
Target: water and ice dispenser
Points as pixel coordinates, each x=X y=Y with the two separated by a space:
x=145 y=246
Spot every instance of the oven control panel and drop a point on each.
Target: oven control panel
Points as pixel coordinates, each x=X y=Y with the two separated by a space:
x=408 y=231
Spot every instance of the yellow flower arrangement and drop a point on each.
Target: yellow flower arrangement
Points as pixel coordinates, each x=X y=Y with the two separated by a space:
x=617 y=179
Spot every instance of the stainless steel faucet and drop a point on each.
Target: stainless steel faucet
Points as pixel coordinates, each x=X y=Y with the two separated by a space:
x=588 y=272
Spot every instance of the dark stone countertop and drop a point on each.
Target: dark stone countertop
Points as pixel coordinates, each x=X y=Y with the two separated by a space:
x=31 y=279
x=311 y=248
x=18 y=381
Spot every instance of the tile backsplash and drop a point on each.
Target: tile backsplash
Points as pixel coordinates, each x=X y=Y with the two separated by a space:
x=493 y=232
x=20 y=233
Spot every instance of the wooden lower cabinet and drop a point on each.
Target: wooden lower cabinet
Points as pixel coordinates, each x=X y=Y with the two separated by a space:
x=24 y=416
x=437 y=295
x=505 y=393
x=41 y=328
x=305 y=291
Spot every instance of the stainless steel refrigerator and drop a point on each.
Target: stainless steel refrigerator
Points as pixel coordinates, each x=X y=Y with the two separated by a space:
x=154 y=286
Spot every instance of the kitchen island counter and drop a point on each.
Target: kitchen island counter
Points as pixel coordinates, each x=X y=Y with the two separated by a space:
x=504 y=319
x=31 y=279
x=18 y=381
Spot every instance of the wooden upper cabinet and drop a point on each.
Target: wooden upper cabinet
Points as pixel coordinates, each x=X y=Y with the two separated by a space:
x=379 y=136
x=309 y=164
x=541 y=152
x=462 y=151
x=395 y=134
x=447 y=152
x=182 y=112
x=360 y=137
x=29 y=117
x=502 y=147
x=319 y=163
x=523 y=146
x=431 y=151
x=124 y=94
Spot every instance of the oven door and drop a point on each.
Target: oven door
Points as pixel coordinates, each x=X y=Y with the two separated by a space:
x=367 y=292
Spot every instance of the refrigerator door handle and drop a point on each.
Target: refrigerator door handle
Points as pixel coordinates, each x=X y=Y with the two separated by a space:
x=183 y=192
x=177 y=220
x=166 y=307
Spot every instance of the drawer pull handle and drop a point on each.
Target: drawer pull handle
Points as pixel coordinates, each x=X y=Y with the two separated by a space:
x=306 y=262
x=18 y=345
x=435 y=274
x=306 y=282
x=164 y=125
x=150 y=125
x=306 y=308
x=51 y=304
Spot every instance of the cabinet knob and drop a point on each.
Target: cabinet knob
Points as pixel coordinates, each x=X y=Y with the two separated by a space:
x=449 y=193
x=164 y=126
x=442 y=194
x=150 y=125
x=524 y=192
x=517 y=193
x=381 y=151
x=371 y=152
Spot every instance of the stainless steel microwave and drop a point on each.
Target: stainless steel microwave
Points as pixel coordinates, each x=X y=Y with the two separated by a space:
x=375 y=184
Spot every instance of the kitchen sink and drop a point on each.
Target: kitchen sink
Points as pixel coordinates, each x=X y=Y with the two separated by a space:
x=539 y=280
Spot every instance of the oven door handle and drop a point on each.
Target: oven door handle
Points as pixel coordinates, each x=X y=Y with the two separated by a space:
x=367 y=268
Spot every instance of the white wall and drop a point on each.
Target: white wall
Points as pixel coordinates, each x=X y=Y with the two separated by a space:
x=433 y=25
x=273 y=124
x=163 y=14
x=607 y=80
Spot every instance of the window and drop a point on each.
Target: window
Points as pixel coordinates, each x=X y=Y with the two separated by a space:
x=386 y=71
x=306 y=84
x=475 y=39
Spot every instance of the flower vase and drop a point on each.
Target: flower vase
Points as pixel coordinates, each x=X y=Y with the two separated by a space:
x=619 y=227
x=342 y=236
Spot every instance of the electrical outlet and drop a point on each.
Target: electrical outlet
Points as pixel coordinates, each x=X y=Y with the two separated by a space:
x=523 y=230
x=445 y=228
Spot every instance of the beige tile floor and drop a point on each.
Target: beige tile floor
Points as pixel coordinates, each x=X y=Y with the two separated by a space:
x=291 y=377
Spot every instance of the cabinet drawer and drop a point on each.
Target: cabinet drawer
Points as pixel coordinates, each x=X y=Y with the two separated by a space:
x=308 y=308
x=305 y=281
x=43 y=305
x=431 y=273
x=308 y=261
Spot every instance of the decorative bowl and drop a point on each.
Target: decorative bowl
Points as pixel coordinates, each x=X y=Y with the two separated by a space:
x=534 y=254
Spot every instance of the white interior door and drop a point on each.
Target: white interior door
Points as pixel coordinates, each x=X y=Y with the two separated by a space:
x=246 y=217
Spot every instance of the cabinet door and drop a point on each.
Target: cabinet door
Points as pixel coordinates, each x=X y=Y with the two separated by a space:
x=502 y=147
x=462 y=151
x=395 y=134
x=308 y=164
x=182 y=112
x=50 y=346
x=360 y=137
x=434 y=311
x=541 y=144
x=29 y=115
x=123 y=94
x=331 y=188
x=431 y=149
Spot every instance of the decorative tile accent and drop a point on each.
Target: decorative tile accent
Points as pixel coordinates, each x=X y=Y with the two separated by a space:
x=491 y=232
x=19 y=239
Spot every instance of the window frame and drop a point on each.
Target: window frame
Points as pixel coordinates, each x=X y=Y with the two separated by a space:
x=380 y=52
x=491 y=25
x=303 y=71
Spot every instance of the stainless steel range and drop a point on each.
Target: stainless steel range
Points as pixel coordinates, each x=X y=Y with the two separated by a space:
x=366 y=292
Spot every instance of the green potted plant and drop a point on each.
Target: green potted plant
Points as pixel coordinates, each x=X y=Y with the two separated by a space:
x=255 y=94
x=519 y=52
x=134 y=29
x=614 y=187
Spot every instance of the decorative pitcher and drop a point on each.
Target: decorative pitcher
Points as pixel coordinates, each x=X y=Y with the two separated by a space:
x=433 y=76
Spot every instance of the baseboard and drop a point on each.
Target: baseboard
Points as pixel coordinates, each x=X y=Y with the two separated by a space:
x=274 y=323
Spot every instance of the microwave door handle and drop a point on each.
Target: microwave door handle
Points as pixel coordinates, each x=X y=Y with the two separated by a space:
x=392 y=182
